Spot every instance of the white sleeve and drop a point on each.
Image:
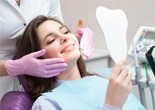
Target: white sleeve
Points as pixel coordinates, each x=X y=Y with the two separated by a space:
x=44 y=103
x=109 y=107
x=55 y=10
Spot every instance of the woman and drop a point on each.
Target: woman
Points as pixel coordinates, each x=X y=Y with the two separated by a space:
x=73 y=88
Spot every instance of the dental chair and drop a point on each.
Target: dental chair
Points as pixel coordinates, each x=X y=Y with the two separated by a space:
x=17 y=100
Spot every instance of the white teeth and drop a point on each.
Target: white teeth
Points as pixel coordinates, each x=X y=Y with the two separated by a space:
x=69 y=48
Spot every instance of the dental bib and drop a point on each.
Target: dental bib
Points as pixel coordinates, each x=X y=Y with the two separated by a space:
x=87 y=93
x=114 y=26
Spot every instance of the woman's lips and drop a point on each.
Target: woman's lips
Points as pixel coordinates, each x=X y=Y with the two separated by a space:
x=68 y=48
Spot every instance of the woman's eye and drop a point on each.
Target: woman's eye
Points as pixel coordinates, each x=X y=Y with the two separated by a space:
x=66 y=32
x=50 y=41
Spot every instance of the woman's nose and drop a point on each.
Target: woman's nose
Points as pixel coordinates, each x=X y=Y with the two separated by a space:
x=64 y=40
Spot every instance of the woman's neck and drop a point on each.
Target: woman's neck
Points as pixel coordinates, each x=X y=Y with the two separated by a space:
x=70 y=73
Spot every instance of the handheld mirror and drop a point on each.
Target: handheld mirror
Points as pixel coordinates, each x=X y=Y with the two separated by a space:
x=114 y=25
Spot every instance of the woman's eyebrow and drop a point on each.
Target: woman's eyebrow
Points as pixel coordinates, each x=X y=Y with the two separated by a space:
x=61 y=27
x=49 y=34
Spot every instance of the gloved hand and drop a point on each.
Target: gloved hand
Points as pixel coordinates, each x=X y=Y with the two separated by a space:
x=30 y=65
x=86 y=39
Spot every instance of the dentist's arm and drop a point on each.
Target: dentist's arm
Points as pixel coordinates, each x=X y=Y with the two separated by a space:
x=2 y=69
x=119 y=86
x=31 y=65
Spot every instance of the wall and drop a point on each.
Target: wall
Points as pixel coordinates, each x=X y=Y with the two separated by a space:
x=139 y=12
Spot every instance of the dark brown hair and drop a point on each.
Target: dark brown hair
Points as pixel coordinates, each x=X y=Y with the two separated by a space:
x=28 y=43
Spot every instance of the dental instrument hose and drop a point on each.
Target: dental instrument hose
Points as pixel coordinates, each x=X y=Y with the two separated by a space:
x=138 y=77
x=148 y=79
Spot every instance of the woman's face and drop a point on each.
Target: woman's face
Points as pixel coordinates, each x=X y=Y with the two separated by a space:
x=58 y=41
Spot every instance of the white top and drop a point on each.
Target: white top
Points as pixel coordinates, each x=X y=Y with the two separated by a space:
x=13 y=21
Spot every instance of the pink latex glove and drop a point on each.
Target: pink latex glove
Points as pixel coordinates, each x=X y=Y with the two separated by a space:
x=86 y=39
x=30 y=65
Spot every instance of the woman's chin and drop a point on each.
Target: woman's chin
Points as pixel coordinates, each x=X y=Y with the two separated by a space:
x=71 y=57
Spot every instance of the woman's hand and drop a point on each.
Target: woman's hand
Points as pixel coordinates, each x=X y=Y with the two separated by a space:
x=30 y=65
x=119 y=86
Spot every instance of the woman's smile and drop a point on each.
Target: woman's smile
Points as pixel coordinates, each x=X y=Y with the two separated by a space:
x=68 y=48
